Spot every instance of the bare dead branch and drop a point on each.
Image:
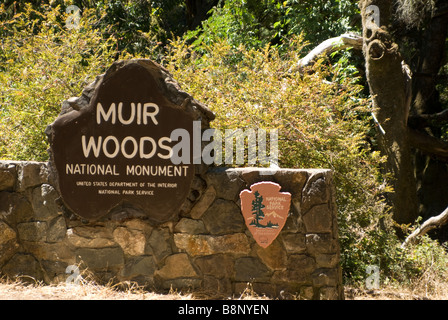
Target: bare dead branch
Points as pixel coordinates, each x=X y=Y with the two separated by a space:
x=428 y=144
x=431 y=223
x=428 y=120
x=347 y=40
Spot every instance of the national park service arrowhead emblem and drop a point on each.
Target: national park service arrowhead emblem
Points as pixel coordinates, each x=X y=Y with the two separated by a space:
x=265 y=210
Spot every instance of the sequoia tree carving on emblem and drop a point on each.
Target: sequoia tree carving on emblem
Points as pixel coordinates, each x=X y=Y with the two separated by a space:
x=265 y=210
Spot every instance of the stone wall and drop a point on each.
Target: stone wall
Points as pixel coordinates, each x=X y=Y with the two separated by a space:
x=209 y=247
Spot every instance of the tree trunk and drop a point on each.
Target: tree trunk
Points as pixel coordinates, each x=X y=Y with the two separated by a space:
x=432 y=174
x=391 y=93
x=197 y=11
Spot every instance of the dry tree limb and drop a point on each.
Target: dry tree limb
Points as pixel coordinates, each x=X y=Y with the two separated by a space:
x=428 y=120
x=347 y=40
x=428 y=144
x=431 y=223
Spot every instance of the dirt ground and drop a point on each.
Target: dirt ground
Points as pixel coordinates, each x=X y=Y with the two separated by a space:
x=15 y=291
x=21 y=291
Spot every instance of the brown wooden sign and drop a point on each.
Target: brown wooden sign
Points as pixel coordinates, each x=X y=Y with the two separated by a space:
x=265 y=210
x=117 y=152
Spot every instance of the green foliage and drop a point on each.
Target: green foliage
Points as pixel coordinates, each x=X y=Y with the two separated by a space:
x=42 y=63
x=140 y=24
x=255 y=23
x=135 y=25
x=414 y=12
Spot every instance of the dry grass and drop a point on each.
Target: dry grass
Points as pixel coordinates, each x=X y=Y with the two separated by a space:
x=18 y=290
x=428 y=287
x=26 y=288
x=420 y=289
x=86 y=288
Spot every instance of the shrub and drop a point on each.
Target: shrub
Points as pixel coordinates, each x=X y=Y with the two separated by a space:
x=255 y=23
x=42 y=63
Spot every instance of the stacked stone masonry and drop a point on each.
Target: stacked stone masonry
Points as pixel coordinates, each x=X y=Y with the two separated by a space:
x=208 y=248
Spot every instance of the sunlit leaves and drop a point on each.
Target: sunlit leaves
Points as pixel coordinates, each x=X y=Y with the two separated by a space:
x=43 y=63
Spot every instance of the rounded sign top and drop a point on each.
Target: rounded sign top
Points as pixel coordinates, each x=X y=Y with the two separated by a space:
x=118 y=151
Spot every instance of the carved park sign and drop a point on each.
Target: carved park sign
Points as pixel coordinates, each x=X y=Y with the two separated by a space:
x=116 y=152
x=265 y=210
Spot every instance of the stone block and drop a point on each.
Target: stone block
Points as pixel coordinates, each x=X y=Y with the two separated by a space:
x=301 y=263
x=292 y=181
x=254 y=175
x=251 y=269
x=316 y=190
x=15 y=208
x=318 y=219
x=299 y=270
x=8 y=174
x=43 y=200
x=194 y=245
x=31 y=174
x=177 y=266
x=90 y=237
x=6 y=233
x=203 y=203
x=160 y=243
x=137 y=224
x=133 y=242
x=324 y=278
x=294 y=242
x=320 y=243
x=223 y=217
x=32 y=231
x=198 y=185
x=215 y=286
x=327 y=260
x=219 y=265
x=102 y=258
x=24 y=266
x=294 y=222
x=202 y=245
x=8 y=242
x=227 y=183
x=57 y=230
x=190 y=226
x=57 y=251
x=139 y=266
x=274 y=256
x=236 y=243
x=55 y=270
